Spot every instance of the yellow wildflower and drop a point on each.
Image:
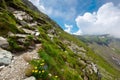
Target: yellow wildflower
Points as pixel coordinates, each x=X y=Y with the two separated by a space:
x=43 y=71
x=35 y=67
x=33 y=70
x=36 y=71
x=42 y=64
x=50 y=74
x=56 y=76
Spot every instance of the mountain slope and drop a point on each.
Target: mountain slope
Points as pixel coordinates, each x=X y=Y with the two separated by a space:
x=59 y=55
x=106 y=47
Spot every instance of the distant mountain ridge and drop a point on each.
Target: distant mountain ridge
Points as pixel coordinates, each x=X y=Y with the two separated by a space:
x=106 y=46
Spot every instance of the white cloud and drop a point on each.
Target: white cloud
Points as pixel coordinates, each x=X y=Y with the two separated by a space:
x=38 y=5
x=68 y=28
x=57 y=8
x=105 y=21
x=79 y=32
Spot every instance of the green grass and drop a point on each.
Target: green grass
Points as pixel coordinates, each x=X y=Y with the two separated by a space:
x=117 y=51
x=14 y=46
x=60 y=61
x=7 y=23
x=107 y=70
x=102 y=64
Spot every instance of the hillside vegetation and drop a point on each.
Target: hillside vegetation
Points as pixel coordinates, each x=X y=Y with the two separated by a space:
x=59 y=56
x=106 y=48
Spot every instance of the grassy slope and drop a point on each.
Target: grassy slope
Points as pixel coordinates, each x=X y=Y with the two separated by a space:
x=108 y=71
x=52 y=55
x=50 y=52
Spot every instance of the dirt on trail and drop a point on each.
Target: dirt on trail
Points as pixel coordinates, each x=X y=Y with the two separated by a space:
x=16 y=69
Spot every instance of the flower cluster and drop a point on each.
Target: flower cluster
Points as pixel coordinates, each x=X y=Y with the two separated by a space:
x=40 y=70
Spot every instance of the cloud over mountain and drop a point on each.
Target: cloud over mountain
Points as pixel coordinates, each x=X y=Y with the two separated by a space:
x=68 y=28
x=105 y=21
x=39 y=5
x=57 y=8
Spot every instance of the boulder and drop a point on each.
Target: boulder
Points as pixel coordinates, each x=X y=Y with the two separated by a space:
x=21 y=15
x=94 y=67
x=29 y=31
x=21 y=40
x=32 y=24
x=30 y=78
x=3 y=42
x=21 y=35
x=1 y=67
x=23 y=23
x=5 y=57
x=51 y=36
x=82 y=62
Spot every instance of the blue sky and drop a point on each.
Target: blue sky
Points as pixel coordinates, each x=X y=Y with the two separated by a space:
x=83 y=16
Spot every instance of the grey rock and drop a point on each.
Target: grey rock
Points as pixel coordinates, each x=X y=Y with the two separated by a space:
x=1 y=67
x=37 y=33
x=21 y=40
x=11 y=34
x=116 y=60
x=28 y=31
x=3 y=42
x=82 y=49
x=23 y=23
x=17 y=35
x=88 y=69
x=51 y=36
x=21 y=15
x=5 y=57
x=21 y=35
x=30 y=78
x=32 y=24
x=51 y=31
x=82 y=62
x=94 y=67
x=85 y=78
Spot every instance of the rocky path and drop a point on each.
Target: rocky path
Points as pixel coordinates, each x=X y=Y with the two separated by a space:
x=16 y=69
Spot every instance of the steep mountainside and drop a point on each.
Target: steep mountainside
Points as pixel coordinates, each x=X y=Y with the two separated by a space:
x=33 y=47
x=106 y=46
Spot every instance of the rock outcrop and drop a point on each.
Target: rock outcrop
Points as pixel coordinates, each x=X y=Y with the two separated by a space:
x=5 y=57
x=3 y=42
